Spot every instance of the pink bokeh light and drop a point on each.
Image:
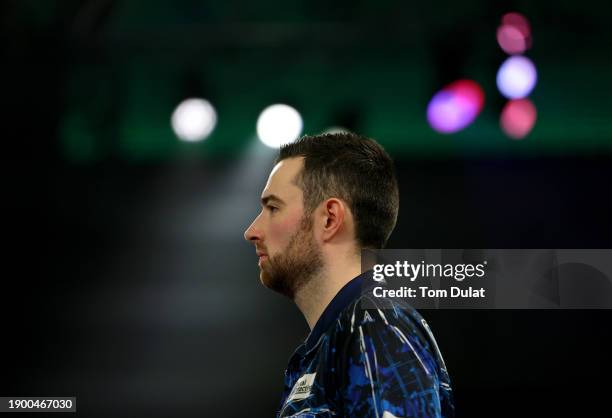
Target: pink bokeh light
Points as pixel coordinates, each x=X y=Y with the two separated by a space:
x=518 y=118
x=511 y=40
x=518 y=21
x=514 y=33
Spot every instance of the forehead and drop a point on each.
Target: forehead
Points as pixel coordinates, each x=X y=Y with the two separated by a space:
x=281 y=179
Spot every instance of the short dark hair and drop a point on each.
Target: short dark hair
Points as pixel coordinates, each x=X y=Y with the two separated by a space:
x=355 y=169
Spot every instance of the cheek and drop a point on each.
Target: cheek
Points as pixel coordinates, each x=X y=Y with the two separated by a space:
x=282 y=230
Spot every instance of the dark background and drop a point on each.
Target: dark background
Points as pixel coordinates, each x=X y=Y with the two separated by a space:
x=127 y=282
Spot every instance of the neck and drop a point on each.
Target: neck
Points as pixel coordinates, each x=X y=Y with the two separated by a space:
x=313 y=297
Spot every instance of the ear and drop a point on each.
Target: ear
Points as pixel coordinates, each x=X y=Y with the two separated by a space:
x=334 y=212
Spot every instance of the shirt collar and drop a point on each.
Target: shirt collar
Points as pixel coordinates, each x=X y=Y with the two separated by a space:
x=349 y=293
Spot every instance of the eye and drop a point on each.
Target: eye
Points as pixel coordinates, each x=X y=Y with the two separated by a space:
x=272 y=209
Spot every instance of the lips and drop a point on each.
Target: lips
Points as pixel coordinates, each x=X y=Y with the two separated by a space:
x=262 y=256
x=262 y=259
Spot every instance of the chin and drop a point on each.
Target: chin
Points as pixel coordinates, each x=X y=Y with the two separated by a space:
x=264 y=278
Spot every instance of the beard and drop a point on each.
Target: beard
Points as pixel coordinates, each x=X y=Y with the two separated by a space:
x=288 y=271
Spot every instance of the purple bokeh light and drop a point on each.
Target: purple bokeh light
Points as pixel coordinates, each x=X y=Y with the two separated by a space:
x=455 y=106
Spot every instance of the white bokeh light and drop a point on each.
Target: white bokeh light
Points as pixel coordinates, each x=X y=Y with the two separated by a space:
x=516 y=77
x=279 y=124
x=193 y=120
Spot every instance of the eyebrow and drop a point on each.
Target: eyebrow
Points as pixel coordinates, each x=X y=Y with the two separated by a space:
x=271 y=198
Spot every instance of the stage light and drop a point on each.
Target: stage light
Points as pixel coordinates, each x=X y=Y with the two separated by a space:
x=518 y=118
x=519 y=22
x=516 y=77
x=514 y=33
x=511 y=40
x=279 y=124
x=193 y=120
x=455 y=106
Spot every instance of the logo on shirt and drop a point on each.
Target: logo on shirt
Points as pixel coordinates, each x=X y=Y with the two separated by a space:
x=301 y=389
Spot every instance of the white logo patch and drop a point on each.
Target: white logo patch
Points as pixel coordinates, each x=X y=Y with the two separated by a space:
x=301 y=389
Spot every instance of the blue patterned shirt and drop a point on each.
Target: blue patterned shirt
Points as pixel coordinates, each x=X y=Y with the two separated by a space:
x=367 y=357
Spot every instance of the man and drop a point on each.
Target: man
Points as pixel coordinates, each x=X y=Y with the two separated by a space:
x=328 y=198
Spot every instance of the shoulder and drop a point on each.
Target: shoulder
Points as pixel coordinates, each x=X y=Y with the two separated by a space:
x=381 y=314
x=371 y=325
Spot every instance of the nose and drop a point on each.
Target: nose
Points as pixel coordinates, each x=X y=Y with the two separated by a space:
x=253 y=233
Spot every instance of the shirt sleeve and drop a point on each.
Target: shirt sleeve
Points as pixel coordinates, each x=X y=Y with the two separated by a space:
x=388 y=369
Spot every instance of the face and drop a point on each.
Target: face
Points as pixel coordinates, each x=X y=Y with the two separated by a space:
x=289 y=255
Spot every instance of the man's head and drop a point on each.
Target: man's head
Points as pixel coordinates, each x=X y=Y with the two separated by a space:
x=326 y=193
